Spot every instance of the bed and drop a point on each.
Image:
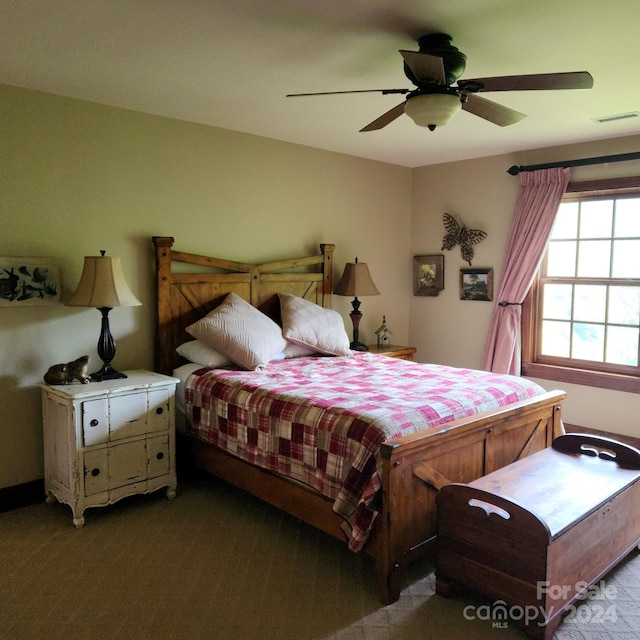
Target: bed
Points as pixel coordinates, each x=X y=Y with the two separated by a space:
x=409 y=469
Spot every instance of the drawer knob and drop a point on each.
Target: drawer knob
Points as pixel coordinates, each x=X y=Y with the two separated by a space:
x=94 y=423
x=159 y=410
x=159 y=455
x=95 y=472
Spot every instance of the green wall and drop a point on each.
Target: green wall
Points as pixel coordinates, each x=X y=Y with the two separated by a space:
x=78 y=177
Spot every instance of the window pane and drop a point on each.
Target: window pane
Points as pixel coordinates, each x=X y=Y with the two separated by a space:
x=624 y=305
x=556 y=303
x=622 y=346
x=561 y=259
x=593 y=259
x=590 y=303
x=566 y=222
x=626 y=259
x=595 y=219
x=587 y=312
x=555 y=338
x=628 y=218
x=588 y=342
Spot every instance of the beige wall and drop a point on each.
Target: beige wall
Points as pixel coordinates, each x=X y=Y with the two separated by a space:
x=79 y=177
x=451 y=331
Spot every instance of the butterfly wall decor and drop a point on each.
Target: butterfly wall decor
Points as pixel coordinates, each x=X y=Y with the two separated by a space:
x=458 y=234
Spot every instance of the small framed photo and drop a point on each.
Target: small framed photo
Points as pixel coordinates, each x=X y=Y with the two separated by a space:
x=30 y=282
x=428 y=275
x=476 y=284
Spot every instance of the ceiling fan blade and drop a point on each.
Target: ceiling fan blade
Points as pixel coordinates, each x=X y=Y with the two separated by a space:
x=491 y=111
x=534 y=82
x=385 y=118
x=425 y=67
x=334 y=93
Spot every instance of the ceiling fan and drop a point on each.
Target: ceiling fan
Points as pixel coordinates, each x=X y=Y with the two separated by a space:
x=436 y=99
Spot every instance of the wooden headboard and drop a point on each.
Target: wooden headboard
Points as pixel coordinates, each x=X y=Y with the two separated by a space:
x=187 y=294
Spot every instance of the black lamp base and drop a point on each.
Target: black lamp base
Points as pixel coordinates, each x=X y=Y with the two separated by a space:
x=106 y=351
x=107 y=373
x=356 y=316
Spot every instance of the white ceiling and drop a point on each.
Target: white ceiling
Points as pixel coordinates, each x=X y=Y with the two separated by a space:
x=230 y=63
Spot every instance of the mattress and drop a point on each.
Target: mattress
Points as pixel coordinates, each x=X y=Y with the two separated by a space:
x=321 y=420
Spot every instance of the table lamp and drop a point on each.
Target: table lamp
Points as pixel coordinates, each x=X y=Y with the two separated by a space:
x=356 y=281
x=102 y=285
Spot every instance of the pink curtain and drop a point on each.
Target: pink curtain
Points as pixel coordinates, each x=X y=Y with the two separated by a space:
x=536 y=206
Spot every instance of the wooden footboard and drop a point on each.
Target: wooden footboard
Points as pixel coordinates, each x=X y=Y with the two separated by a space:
x=414 y=469
x=417 y=466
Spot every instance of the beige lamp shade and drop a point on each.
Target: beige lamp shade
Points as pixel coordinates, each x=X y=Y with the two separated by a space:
x=356 y=281
x=102 y=284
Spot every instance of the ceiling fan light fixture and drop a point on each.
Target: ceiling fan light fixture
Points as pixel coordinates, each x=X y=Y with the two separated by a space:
x=432 y=109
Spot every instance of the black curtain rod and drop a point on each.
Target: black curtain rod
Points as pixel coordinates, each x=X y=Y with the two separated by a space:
x=620 y=157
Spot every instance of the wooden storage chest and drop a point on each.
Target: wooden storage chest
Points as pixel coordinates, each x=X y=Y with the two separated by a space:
x=538 y=533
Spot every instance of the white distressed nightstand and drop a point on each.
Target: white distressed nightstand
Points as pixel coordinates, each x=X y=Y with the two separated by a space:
x=107 y=440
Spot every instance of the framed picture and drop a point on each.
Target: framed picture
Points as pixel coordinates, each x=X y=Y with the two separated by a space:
x=30 y=281
x=428 y=275
x=476 y=284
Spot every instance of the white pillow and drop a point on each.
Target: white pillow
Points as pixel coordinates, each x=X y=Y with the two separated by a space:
x=293 y=350
x=244 y=334
x=310 y=325
x=200 y=353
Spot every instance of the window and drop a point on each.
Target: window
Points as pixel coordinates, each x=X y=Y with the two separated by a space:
x=581 y=320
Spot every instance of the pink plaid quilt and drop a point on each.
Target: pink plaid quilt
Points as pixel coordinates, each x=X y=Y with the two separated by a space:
x=321 y=420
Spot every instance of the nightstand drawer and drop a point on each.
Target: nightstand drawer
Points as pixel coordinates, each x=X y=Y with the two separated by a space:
x=159 y=415
x=158 y=456
x=115 y=418
x=127 y=415
x=95 y=421
x=96 y=471
x=115 y=466
x=127 y=463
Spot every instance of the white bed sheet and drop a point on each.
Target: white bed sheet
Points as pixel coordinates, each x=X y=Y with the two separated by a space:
x=182 y=373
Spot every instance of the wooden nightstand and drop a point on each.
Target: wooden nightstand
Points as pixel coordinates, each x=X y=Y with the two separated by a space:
x=393 y=351
x=107 y=440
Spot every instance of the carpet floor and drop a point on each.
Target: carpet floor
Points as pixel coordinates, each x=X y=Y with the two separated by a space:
x=216 y=564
